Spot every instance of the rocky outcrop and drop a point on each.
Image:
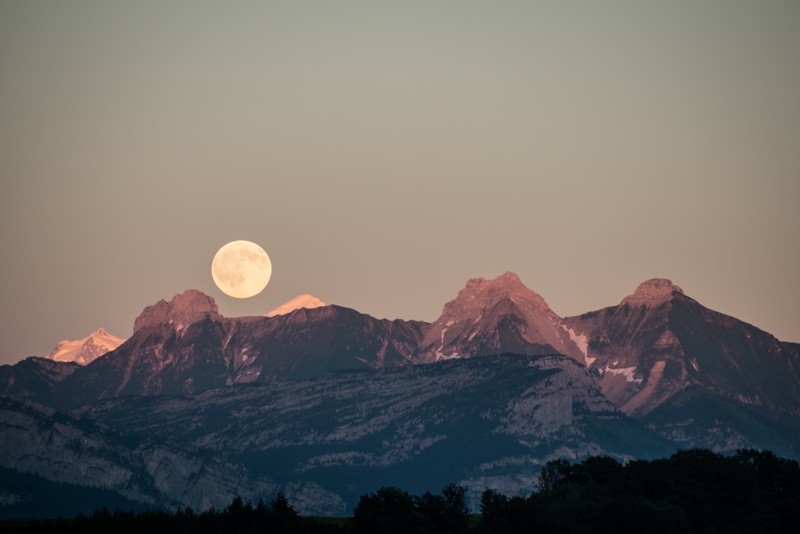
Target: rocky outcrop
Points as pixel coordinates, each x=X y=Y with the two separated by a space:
x=496 y=316
x=60 y=448
x=180 y=357
x=660 y=351
x=659 y=342
x=653 y=292
x=184 y=309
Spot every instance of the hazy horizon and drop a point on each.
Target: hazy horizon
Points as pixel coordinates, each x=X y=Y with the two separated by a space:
x=383 y=154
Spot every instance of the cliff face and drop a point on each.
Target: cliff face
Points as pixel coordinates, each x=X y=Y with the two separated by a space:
x=184 y=347
x=61 y=448
x=475 y=421
x=700 y=377
x=659 y=342
x=184 y=309
x=496 y=316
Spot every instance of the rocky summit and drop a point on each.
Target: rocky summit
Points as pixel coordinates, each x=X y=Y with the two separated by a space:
x=653 y=292
x=494 y=316
x=187 y=308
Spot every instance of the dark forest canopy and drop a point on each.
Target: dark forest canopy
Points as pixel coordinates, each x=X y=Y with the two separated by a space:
x=692 y=491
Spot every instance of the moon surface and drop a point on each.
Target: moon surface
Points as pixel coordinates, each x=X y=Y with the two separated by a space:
x=241 y=269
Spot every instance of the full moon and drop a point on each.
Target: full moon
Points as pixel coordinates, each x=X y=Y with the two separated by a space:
x=241 y=269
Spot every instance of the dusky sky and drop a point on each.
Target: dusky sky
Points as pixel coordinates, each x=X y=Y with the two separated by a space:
x=385 y=152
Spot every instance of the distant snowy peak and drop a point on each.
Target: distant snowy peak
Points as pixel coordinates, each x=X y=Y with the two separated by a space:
x=653 y=292
x=300 y=301
x=86 y=350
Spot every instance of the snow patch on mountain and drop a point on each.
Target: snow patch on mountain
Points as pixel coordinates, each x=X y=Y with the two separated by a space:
x=301 y=301
x=627 y=372
x=582 y=342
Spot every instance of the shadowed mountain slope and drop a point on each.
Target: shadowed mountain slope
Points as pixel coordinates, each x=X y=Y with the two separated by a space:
x=659 y=352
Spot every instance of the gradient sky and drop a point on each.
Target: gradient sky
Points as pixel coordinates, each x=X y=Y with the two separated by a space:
x=384 y=153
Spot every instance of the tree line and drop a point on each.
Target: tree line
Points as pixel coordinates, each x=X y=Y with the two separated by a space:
x=692 y=491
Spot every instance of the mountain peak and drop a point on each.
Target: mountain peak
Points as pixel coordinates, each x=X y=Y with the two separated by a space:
x=488 y=292
x=84 y=351
x=506 y=279
x=653 y=292
x=495 y=316
x=184 y=309
x=301 y=301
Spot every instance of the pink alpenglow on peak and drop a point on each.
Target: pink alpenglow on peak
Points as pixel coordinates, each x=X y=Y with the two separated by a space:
x=301 y=301
x=653 y=292
x=480 y=292
x=86 y=350
x=184 y=309
x=496 y=316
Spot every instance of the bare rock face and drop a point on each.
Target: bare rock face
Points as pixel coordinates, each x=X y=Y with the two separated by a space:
x=703 y=378
x=479 y=293
x=184 y=309
x=633 y=348
x=653 y=292
x=185 y=347
x=463 y=420
x=60 y=448
x=496 y=316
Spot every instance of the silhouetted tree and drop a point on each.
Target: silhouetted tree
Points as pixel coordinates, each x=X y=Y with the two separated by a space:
x=388 y=510
x=281 y=509
x=553 y=474
x=603 y=471
x=434 y=507
x=261 y=512
x=494 y=511
x=456 y=512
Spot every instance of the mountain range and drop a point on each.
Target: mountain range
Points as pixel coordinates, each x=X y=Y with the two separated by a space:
x=324 y=403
